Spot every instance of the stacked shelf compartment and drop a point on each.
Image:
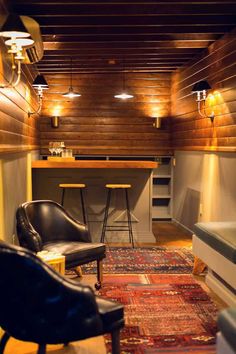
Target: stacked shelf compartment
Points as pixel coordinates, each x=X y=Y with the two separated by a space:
x=162 y=189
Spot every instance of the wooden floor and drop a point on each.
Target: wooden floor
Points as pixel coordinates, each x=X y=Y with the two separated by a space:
x=171 y=234
x=167 y=234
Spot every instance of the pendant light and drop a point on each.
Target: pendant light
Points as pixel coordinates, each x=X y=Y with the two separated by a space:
x=123 y=95
x=71 y=93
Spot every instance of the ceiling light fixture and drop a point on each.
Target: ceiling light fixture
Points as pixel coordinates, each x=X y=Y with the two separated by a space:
x=201 y=88
x=71 y=93
x=123 y=95
x=40 y=84
x=14 y=29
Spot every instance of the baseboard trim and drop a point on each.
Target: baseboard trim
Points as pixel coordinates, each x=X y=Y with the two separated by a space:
x=182 y=225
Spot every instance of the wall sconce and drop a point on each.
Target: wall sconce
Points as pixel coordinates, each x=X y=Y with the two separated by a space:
x=39 y=84
x=14 y=29
x=157 y=122
x=55 y=122
x=201 y=89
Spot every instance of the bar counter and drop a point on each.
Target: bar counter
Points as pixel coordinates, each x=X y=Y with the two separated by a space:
x=95 y=174
x=93 y=164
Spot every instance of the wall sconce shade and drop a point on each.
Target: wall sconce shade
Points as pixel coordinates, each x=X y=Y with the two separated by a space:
x=55 y=122
x=201 y=88
x=14 y=27
x=40 y=83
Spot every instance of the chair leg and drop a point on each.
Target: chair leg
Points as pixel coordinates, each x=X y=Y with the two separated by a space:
x=41 y=349
x=131 y=237
x=106 y=216
x=115 y=341
x=3 y=342
x=99 y=275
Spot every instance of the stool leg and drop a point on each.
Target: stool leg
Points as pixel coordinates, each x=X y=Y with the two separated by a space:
x=83 y=207
x=62 y=197
x=105 y=216
x=131 y=237
x=41 y=349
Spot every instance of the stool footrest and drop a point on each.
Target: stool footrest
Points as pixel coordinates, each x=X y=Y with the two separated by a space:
x=127 y=227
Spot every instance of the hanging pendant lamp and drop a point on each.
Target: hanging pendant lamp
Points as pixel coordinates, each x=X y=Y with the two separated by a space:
x=123 y=95
x=71 y=93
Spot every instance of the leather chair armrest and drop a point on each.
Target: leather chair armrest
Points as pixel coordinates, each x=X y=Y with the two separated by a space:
x=28 y=237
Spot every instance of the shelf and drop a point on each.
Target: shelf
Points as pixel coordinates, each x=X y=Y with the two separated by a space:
x=161 y=176
x=159 y=196
x=161 y=213
x=162 y=189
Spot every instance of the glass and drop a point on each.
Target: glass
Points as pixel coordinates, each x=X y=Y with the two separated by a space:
x=56 y=147
x=67 y=153
x=51 y=148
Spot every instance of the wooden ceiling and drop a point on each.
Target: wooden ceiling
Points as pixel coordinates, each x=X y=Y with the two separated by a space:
x=138 y=36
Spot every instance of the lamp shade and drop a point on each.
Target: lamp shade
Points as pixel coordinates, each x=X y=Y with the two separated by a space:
x=201 y=86
x=19 y=42
x=14 y=27
x=40 y=83
x=71 y=93
x=124 y=96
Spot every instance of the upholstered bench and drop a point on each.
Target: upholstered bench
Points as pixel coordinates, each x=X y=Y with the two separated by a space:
x=226 y=338
x=215 y=244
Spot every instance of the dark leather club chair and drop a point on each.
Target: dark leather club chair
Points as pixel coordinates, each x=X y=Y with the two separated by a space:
x=44 y=225
x=39 y=305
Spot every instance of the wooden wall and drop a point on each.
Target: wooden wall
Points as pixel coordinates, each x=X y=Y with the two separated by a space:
x=98 y=123
x=18 y=132
x=190 y=131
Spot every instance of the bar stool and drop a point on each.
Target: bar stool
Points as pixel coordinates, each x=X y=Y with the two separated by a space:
x=79 y=186
x=106 y=227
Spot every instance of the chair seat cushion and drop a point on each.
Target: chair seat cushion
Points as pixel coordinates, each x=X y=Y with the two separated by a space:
x=227 y=325
x=112 y=314
x=219 y=235
x=77 y=253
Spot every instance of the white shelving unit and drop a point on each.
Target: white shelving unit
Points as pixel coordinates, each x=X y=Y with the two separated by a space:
x=162 y=190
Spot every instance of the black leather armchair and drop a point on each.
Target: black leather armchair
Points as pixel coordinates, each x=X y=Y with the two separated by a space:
x=39 y=305
x=45 y=225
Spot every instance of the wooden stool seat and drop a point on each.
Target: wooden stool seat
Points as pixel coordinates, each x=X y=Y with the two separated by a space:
x=72 y=185
x=117 y=186
x=79 y=186
x=128 y=228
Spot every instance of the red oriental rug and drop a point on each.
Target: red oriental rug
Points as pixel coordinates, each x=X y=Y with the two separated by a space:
x=163 y=314
x=123 y=260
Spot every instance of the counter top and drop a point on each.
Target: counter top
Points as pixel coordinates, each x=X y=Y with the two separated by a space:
x=94 y=164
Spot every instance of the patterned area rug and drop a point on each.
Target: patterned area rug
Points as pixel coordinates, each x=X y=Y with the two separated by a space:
x=123 y=260
x=163 y=314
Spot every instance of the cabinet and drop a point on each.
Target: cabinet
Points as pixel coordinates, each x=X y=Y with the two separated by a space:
x=162 y=189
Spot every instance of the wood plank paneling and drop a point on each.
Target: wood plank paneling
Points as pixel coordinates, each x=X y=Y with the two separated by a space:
x=190 y=131
x=98 y=123
x=18 y=131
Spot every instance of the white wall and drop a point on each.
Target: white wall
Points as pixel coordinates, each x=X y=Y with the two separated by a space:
x=15 y=180
x=204 y=187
